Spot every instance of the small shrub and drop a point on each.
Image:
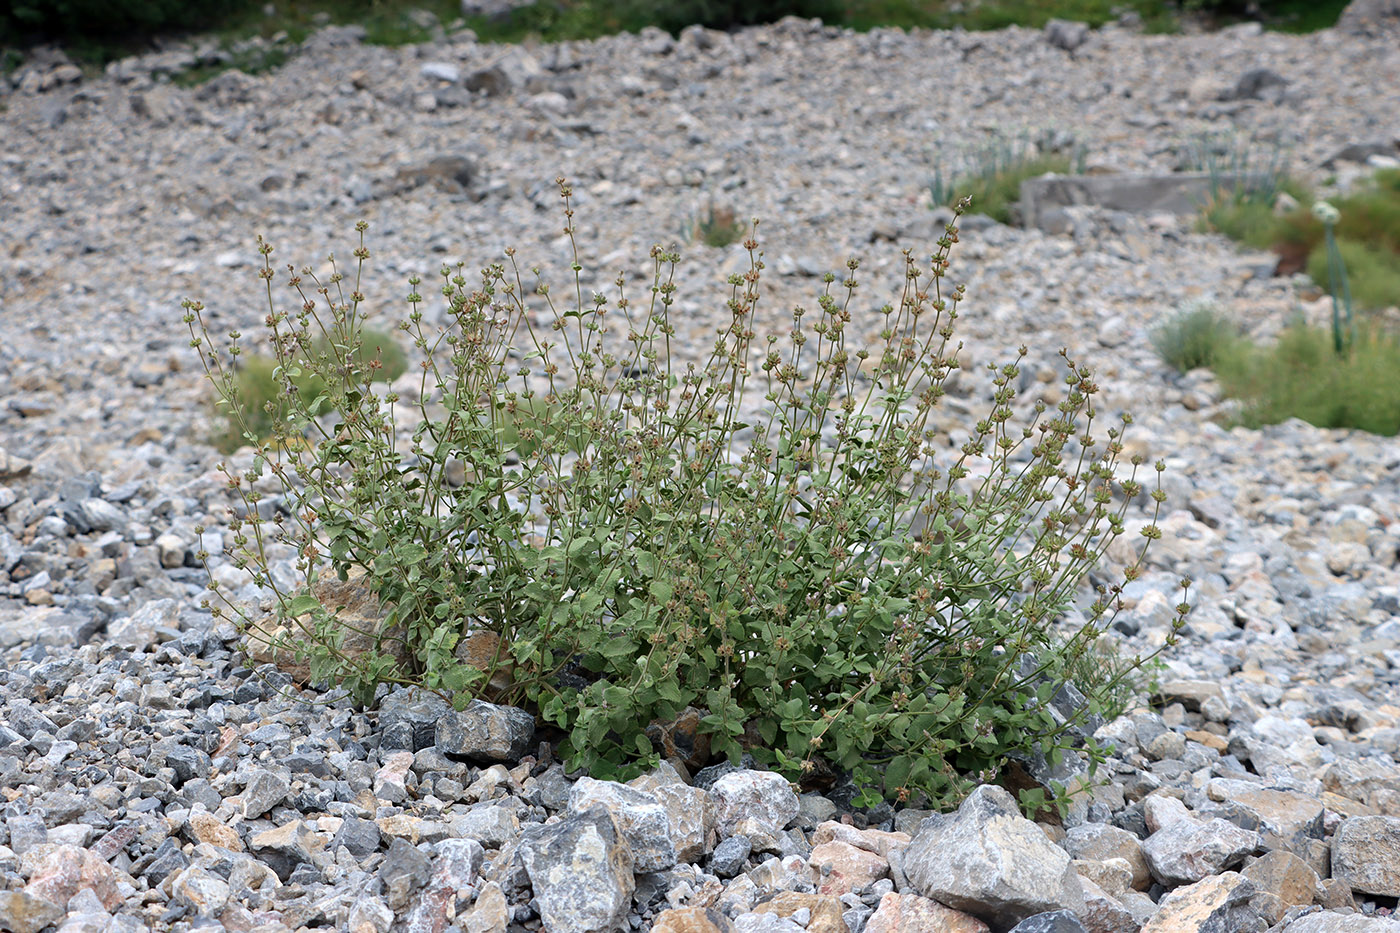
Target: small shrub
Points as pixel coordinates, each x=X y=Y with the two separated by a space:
x=1194 y=338
x=993 y=180
x=1302 y=376
x=262 y=391
x=717 y=227
x=649 y=541
x=1243 y=211
x=1373 y=272
x=1368 y=234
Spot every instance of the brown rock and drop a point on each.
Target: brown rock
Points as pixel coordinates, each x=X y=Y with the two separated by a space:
x=1104 y=913
x=490 y=913
x=871 y=840
x=692 y=920
x=1287 y=819
x=22 y=912
x=203 y=826
x=681 y=740
x=66 y=870
x=1220 y=902
x=840 y=867
x=1334 y=894
x=483 y=650
x=1114 y=875
x=1208 y=739
x=271 y=640
x=1285 y=876
x=826 y=910
x=1189 y=693
x=909 y=913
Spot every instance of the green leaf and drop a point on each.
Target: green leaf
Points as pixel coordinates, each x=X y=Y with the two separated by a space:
x=301 y=605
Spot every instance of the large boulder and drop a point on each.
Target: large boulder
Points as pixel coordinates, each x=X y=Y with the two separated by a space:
x=990 y=861
x=1370 y=17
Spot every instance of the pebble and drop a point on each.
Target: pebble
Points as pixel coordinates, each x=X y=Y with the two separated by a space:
x=152 y=782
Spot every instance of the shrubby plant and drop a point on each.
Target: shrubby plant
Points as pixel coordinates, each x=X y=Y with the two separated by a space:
x=991 y=175
x=1194 y=337
x=264 y=401
x=732 y=535
x=1304 y=376
x=716 y=227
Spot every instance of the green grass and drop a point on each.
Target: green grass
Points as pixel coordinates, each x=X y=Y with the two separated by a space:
x=1194 y=338
x=1368 y=234
x=996 y=171
x=94 y=41
x=1302 y=376
x=1372 y=271
x=264 y=400
x=716 y=227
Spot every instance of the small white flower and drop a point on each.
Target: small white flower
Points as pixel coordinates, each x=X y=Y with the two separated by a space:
x=1326 y=213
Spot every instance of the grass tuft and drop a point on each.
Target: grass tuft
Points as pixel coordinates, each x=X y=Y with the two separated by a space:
x=1302 y=376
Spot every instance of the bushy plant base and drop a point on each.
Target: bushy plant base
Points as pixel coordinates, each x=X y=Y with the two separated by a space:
x=1194 y=338
x=1303 y=376
x=652 y=538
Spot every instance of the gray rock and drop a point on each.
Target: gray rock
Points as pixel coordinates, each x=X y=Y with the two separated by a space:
x=1366 y=854
x=1176 y=193
x=285 y=847
x=1066 y=34
x=492 y=9
x=404 y=871
x=1186 y=851
x=517 y=70
x=730 y=856
x=1370 y=18
x=361 y=837
x=1258 y=84
x=456 y=868
x=1053 y=921
x=441 y=71
x=264 y=790
x=26 y=832
x=491 y=825
x=581 y=871
x=689 y=811
x=142 y=628
x=1331 y=921
x=989 y=860
x=760 y=795
x=641 y=819
x=417 y=711
x=486 y=732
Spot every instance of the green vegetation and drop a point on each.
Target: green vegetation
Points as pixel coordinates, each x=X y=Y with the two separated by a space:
x=1327 y=377
x=263 y=390
x=96 y=32
x=652 y=537
x=716 y=227
x=1367 y=234
x=1303 y=376
x=994 y=172
x=1194 y=338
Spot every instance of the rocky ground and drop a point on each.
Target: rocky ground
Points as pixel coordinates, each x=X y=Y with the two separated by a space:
x=150 y=781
